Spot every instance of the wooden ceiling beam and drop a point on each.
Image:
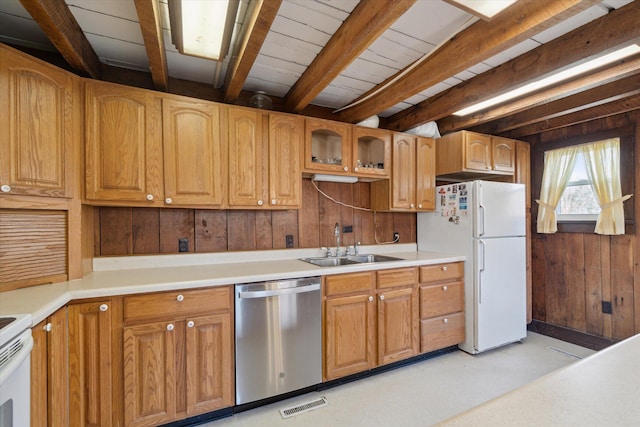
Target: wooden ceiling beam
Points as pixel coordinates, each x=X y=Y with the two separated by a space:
x=601 y=35
x=603 y=94
x=264 y=13
x=605 y=110
x=365 y=24
x=471 y=46
x=58 y=23
x=151 y=27
x=619 y=71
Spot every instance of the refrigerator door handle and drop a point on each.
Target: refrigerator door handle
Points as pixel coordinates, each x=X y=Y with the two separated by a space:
x=481 y=220
x=481 y=267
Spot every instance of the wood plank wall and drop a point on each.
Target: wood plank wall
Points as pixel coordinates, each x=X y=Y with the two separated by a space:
x=129 y=231
x=574 y=272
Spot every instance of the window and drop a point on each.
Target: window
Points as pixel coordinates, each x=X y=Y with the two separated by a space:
x=578 y=201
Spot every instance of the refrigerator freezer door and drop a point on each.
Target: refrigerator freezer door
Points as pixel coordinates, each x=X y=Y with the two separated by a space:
x=500 y=292
x=499 y=209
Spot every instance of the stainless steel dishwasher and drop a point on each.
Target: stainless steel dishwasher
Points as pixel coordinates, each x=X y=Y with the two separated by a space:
x=278 y=337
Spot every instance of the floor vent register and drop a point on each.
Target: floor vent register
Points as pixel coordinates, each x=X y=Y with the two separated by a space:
x=304 y=407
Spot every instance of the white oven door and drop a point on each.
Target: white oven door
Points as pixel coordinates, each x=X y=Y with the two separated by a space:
x=15 y=381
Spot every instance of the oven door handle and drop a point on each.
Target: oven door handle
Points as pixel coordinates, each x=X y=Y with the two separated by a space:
x=17 y=359
x=278 y=292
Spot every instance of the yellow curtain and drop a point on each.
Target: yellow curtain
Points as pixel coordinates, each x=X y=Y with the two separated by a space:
x=558 y=165
x=603 y=167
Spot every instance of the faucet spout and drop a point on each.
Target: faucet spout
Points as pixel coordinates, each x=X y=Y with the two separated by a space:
x=336 y=232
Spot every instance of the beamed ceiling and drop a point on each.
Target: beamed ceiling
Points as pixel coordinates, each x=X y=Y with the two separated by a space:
x=407 y=61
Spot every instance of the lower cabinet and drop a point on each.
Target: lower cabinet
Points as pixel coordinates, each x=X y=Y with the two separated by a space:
x=49 y=372
x=441 y=306
x=370 y=320
x=178 y=355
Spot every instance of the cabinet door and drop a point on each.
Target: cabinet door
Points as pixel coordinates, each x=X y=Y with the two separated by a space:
x=93 y=367
x=477 y=151
x=247 y=163
x=149 y=374
x=37 y=127
x=397 y=325
x=425 y=174
x=349 y=335
x=327 y=146
x=194 y=171
x=285 y=157
x=371 y=154
x=209 y=363
x=123 y=145
x=404 y=172
x=503 y=154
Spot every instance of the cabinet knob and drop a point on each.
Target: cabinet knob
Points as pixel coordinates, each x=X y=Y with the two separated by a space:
x=170 y=327
x=274 y=202
x=346 y=168
x=168 y=200
x=444 y=288
x=420 y=206
x=444 y=268
x=445 y=320
x=190 y=324
x=149 y=197
x=370 y=298
x=5 y=188
x=381 y=297
x=412 y=205
x=48 y=327
x=104 y=307
x=260 y=202
x=180 y=298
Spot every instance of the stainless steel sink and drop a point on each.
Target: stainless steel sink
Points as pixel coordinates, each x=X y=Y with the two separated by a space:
x=328 y=262
x=368 y=258
x=349 y=260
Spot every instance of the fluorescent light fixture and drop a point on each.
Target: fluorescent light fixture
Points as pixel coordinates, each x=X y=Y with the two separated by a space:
x=202 y=27
x=334 y=178
x=552 y=79
x=485 y=9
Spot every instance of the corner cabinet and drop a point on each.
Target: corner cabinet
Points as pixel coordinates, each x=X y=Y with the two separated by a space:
x=264 y=159
x=412 y=186
x=123 y=148
x=178 y=355
x=39 y=127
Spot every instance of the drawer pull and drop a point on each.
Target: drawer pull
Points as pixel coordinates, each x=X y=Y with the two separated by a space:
x=170 y=327
x=444 y=288
x=104 y=307
x=180 y=298
x=190 y=324
x=444 y=268
x=445 y=320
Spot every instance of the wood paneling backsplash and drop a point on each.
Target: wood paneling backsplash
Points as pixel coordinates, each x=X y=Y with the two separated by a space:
x=128 y=231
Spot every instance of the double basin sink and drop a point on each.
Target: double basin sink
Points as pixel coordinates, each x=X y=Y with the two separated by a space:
x=349 y=260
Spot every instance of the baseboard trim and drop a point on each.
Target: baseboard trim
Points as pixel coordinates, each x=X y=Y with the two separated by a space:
x=583 y=339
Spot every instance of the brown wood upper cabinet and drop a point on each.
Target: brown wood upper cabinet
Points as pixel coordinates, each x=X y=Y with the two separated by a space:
x=264 y=159
x=469 y=153
x=123 y=145
x=39 y=127
x=412 y=184
x=371 y=152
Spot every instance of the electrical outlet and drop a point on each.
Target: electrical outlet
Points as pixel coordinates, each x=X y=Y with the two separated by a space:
x=289 y=240
x=347 y=229
x=396 y=236
x=183 y=245
x=606 y=307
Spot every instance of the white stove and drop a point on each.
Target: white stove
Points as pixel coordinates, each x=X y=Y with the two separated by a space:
x=15 y=370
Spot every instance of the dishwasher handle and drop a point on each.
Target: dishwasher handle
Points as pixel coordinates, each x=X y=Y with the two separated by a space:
x=279 y=292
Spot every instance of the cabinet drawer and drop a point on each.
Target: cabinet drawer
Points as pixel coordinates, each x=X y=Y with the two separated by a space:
x=436 y=300
x=441 y=332
x=174 y=304
x=396 y=277
x=348 y=283
x=441 y=272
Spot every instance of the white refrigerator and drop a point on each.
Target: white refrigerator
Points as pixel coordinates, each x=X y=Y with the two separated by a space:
x=485 y=222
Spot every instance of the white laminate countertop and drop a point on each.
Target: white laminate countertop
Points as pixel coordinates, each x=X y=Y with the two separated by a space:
x=137 y=274
x=600 y=390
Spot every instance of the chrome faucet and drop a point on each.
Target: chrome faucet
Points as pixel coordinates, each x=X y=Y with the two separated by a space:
x=336 y=232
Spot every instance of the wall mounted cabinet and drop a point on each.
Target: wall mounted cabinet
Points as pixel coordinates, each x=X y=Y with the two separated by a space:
x=39 y=127
x=327 y=147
